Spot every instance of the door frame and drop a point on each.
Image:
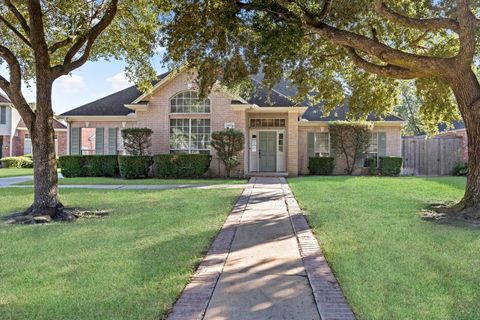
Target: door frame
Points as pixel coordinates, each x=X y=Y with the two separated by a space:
x=253 y=147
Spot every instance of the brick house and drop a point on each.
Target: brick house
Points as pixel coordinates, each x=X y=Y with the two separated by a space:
x=279 y=135
x=14 y=135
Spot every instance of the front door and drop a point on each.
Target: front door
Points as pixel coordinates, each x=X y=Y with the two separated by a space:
x=267 y=151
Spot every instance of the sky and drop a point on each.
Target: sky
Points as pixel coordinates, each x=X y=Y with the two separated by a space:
x=92 y=81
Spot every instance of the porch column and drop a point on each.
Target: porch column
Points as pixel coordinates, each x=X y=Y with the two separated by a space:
x=241 y=125
x=292 y=145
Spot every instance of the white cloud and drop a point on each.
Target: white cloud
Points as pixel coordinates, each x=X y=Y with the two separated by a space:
x=71 y=83
x=119 y=81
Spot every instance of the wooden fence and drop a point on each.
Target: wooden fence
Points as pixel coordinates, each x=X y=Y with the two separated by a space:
x=435 y=156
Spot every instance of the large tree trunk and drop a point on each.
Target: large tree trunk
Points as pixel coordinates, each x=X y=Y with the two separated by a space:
x=46 y=201
x=467 y=92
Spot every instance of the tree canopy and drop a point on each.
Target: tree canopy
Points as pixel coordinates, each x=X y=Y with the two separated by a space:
x=326 y=48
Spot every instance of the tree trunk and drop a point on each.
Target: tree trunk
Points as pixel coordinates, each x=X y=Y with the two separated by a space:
x=46 y=201
x=467 y=93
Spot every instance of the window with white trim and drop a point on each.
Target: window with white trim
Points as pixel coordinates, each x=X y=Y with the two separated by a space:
x=322 y=144
x=3 y=115
x=189 y=102
x=190 y=136
x=372 y=150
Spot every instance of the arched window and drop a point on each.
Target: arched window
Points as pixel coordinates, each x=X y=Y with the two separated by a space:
x=188 y=102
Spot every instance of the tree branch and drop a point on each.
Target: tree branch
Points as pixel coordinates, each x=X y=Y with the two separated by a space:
x=466 y=34
x=385 y=71
x=13 y=88
x=15 y=31
x=433 y=24
x=86 y=42
x=19 y=16
x=372 y=47
x=327 y=4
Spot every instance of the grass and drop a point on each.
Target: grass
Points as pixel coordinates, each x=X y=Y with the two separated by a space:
x=115 y=181
x=389 y=262
x=13 y=172
x=131 y=264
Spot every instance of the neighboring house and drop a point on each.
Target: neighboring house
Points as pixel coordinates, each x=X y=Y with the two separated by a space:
x=14 y=136
x=279 y=135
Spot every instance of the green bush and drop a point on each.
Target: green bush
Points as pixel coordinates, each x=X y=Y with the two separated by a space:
x=180 y=165
x=72 y=166
x=321 y=165
x=30 y=156
x=17 y=162
x=460 y=169
x=372 y=166
x=101 y=165
x=134 y=167
x=390 y=166
x=89 y=166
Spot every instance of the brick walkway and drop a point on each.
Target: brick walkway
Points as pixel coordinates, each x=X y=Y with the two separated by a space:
x=264 y=264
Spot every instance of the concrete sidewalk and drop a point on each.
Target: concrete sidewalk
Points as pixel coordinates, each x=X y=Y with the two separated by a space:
x=9 y=181
x=264 y=264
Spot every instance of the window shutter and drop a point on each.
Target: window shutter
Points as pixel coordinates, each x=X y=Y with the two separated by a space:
x=75 y=141
x=112 y=140
x=99 y=145
x=3 y=115
x=382 y=144
x=311 y=144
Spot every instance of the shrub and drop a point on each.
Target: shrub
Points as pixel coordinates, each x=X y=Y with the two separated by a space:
x=321 y=165
x=137 y=141
x=101 y=165
x=390 y=166
x=17 y=162
x=72 y=166
x=372 y=166
x=89 y=166
x=180 y=165
x=134 y=167
x=460 y=169
x=350 y=139
x=30 y=156
x=228 y=143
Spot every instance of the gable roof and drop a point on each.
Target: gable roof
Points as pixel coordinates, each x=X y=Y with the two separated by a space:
x=4 y=98
x=457 y=125
x=262 y=96
x=315 y=113
x=111 y=105
x=56 y=124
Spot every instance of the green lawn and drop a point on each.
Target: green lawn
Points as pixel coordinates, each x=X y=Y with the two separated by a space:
x=114 y=181
x=131 y=264
x=389 y=262
x=8 y=172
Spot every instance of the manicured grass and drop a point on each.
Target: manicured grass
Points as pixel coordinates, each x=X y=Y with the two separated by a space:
x=131 y=264
x=114 y=181
x=10 y=172
x=389 y=262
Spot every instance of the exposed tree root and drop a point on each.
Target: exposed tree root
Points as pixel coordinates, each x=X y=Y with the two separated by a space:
x=59 y=214
x=452 y=213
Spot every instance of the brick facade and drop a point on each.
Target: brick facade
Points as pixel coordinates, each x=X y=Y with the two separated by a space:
x=157 y=117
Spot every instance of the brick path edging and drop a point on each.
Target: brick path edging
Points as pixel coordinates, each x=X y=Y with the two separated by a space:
x=196 y=296
x=328 y=295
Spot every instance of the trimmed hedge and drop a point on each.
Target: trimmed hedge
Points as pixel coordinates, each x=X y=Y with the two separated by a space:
x=89 y=166
x=390 y=166
x=17 y=162
x=134 y=167
x=321 y=165
x=181 y=165
x=372 y=166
